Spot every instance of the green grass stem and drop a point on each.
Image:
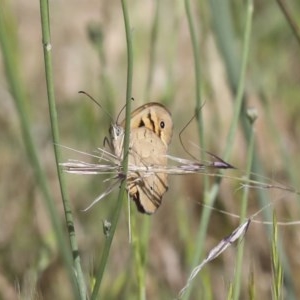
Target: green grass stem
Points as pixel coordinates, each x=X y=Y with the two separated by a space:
x=197 y=70
x=141 y=242
x=119 y=203
x=277 y=272
x=47 y=47
x=225 y=39
x=152 y=47
x=239 y=99
x=8 y=38
x=210 y=196
x=243 y=211
x=290 y=19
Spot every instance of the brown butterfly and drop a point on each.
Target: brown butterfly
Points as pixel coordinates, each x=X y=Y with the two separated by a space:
x=151 y=129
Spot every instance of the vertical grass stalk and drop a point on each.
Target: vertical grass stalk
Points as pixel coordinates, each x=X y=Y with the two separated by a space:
x=210 y=196
x=153 y=40
x=238 y=271
x=140 y=244
x=119 y=203
x=224 y=34
x=8 y=40
x=197 y=70
x=47 y=47
x=196 y=53
x=139 y=252
x=277 y=282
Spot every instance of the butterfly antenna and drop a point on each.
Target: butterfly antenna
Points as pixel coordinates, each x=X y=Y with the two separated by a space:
x=132 y=99
x=185 y=127
x=96 y=102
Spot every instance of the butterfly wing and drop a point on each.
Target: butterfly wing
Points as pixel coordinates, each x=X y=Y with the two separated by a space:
x=151 y=130
x=155 y=117
x=147 y=188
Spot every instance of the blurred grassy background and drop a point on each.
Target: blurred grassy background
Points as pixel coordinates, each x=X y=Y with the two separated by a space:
x=89 y=53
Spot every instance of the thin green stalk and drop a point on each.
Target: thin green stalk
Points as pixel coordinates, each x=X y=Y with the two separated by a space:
x=263 y=201
x=45 y=22
x=140 y=245
x=119 y=203
x=223 y=30
x=224 y=33
x=243 y=211
x=153 y=41
x=277 y=272
x=228 y=52
x=293 y=179
x=108 y=241
x=140 y=242
x=142 y=248
x=211 y=195
x=97 y=36
x=288 y=15
x=197 y=70
x=196 y=53
x=8 y=38
x=139 y=253
x=251 y=286
x=290 y=167
x=238 y=102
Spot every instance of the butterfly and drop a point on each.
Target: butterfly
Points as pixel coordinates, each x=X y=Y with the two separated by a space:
x=151 y=129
